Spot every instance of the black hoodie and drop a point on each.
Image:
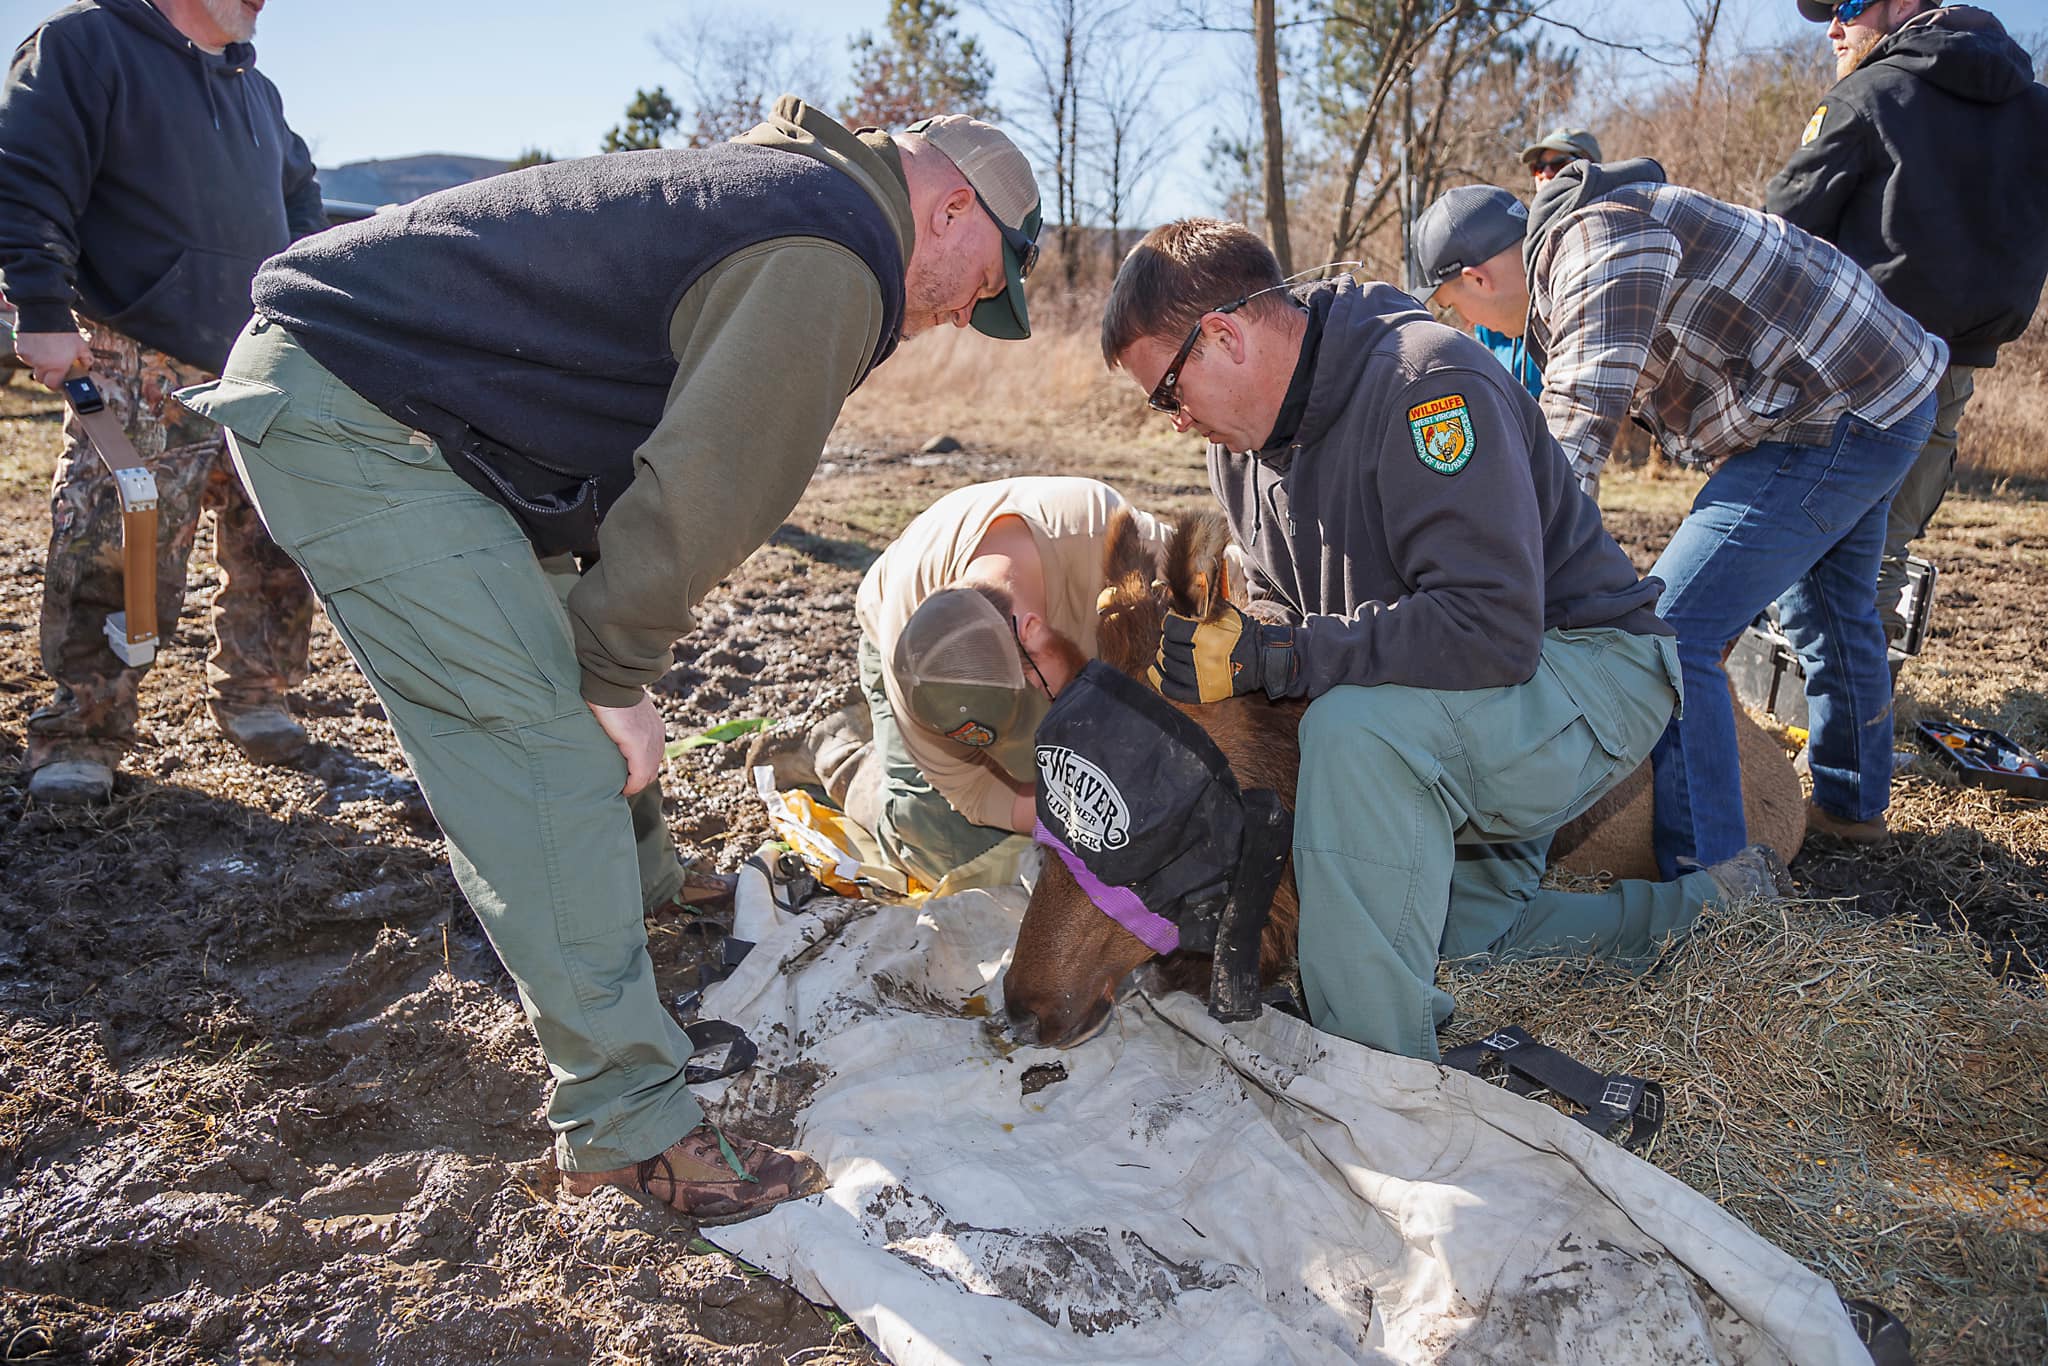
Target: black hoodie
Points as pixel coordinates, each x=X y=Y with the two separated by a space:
x=143 y=180
x=1928 y=166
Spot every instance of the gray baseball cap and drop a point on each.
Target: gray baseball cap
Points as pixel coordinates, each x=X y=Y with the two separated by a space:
x=1468 y=225
x=1573 y=142
x=1002 y=180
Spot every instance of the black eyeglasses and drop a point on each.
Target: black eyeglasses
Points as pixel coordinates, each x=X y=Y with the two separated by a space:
x=1165 y=395
x=1022 y=247
x=1018 y=636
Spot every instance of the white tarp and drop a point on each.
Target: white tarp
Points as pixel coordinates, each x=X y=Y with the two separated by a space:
x=1194 y=1192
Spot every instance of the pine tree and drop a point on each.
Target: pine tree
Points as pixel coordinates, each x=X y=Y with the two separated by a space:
x=921 y=66
x=651 y=114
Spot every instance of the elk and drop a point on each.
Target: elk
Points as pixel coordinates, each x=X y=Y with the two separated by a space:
x=1070 y=956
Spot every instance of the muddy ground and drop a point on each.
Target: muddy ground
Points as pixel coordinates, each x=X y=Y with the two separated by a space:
x=265 y=1095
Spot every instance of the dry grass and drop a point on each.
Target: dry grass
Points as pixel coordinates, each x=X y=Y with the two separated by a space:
x=1051 y=388
x=2005 y=429
x=1856 y=1090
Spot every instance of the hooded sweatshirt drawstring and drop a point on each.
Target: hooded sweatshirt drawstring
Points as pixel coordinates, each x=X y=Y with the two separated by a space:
x=205 y=79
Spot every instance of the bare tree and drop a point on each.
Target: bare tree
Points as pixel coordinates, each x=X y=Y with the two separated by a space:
x=1061 y=40
x=1706 y=21
x=1267 y=35
x=1126 y=148
x=1391 y=78
x=733 y=70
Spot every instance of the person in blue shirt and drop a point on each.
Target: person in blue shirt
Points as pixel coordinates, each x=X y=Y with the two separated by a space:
x=1510 y=351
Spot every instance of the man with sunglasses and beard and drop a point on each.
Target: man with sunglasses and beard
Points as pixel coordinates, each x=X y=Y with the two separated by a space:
x=970 y=622
x=1927 y=164
x=1481 y=660
x=147 y=172
x=513 y=432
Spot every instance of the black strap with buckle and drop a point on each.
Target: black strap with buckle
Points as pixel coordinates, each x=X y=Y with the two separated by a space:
x=706 y=1035
x=1606 y=1103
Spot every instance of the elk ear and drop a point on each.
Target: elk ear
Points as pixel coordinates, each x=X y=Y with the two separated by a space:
x=1123 y=554
x=1197 y=574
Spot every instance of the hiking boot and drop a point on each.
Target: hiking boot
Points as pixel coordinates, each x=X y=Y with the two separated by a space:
x=1755 y=874
x=791 y=757
x=698 y=891
x=72 y=782
x=710 y=1178
x=1821 y=821
x=826 y=756
x=266 y=733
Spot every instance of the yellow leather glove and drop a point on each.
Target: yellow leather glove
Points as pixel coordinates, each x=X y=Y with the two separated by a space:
x=1207 y=661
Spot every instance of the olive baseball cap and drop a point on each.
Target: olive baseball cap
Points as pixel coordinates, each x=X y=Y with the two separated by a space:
x=962 y=675
x=1466 y=226
x=1001 y=179
x=1573 y=142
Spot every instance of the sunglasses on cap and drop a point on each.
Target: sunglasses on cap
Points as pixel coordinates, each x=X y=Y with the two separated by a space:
x=1165 y=395
x=1022 y=247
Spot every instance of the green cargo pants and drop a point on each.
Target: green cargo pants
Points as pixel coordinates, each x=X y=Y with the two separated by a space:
x=1422 y=819
x=918 y=828
x=460 y=630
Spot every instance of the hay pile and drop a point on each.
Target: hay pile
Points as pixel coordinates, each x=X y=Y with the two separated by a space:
x=1859 y=1090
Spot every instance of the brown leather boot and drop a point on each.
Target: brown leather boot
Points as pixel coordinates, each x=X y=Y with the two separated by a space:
x=700 y=889
x=711 y=1179
x=1821 y=821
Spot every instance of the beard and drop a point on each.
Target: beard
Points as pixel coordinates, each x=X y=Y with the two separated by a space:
x=238 y=23
x=1860 y=43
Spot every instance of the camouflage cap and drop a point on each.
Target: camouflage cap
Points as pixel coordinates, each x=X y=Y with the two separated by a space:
x=1573 y=142
x=1001 y=178
x=962 y=675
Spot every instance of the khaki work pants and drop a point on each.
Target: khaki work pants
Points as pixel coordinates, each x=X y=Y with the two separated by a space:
x=1422 y=820
x=462 y=633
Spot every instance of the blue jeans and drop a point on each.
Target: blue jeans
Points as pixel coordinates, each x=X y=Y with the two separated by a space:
x=1803 y=525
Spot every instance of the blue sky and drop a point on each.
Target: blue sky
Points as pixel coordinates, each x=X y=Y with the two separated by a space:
x=376 y=78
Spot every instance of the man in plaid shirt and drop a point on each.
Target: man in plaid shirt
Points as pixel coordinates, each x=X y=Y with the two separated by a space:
x=1744 y=344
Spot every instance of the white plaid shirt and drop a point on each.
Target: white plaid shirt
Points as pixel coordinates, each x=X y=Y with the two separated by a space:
x=1720 y=327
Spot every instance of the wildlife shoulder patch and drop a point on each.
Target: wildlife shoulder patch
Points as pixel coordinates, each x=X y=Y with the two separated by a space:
x=1813 y=125
x=1442 y=429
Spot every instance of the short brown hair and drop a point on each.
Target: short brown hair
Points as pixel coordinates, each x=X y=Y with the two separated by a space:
x=1179 y=272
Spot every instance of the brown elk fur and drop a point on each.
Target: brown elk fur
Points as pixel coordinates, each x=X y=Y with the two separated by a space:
x=1070 y=956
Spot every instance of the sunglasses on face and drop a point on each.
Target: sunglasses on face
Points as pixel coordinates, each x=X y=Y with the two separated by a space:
x=1549 y=167
x=1022 y=247
x=1851 y=10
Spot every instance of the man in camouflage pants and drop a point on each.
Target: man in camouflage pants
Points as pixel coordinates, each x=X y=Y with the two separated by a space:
x=148 y=172
x=262 y=613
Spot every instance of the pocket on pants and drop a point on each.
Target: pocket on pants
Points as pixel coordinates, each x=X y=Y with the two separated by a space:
x=468 y=642
x=1541 y=752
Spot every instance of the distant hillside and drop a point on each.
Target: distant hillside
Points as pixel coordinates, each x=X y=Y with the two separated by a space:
x=396 y=180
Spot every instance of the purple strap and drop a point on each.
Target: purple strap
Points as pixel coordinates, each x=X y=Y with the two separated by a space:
x=1120 y=904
